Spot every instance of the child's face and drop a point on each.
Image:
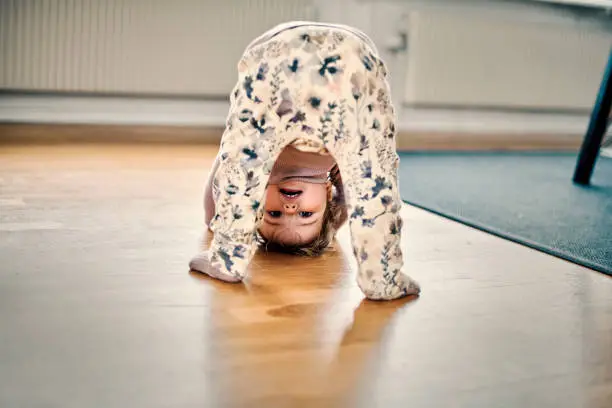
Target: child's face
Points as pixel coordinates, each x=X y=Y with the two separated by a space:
x=294 y=212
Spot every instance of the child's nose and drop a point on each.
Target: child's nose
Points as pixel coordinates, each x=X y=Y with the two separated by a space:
x=290 y=208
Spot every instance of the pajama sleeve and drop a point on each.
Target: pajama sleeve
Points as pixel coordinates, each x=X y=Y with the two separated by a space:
x=249 y=148
x=209 y=200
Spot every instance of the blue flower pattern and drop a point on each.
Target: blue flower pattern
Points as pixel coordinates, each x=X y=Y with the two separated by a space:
x=326 y=86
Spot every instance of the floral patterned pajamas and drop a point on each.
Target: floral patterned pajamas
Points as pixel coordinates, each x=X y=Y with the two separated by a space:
x=321 y=85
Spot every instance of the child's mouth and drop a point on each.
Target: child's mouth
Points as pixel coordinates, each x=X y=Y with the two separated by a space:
x=290 y=193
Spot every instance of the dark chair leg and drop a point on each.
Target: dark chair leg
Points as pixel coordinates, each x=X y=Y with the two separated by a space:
x=597 y=128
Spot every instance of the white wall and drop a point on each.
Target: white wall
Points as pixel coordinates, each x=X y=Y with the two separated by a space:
x=468 y=54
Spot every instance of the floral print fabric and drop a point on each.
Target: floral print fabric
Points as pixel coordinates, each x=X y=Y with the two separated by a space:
x=320 y=86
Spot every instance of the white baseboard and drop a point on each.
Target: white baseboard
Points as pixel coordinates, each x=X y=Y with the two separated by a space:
x=192 y=112
x=110 y=110
x=490 y=122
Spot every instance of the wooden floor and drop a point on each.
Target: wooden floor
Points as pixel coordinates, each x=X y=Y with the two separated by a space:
x=98 y=308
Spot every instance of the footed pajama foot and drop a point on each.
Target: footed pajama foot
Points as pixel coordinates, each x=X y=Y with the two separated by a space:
x=380 y=290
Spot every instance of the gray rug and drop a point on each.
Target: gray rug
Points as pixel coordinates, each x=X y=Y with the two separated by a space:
x=525 y=197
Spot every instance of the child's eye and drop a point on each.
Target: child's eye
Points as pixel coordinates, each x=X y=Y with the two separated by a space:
x=274 y=214
x=305 y=214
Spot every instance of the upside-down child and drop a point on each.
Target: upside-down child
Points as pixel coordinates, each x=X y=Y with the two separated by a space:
x=309 y=144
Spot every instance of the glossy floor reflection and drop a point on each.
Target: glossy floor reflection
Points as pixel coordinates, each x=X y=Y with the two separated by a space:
x=98 y=309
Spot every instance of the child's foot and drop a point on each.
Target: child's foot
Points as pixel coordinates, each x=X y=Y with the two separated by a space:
x=412 y=287
x=201 y=263
x=403 y=286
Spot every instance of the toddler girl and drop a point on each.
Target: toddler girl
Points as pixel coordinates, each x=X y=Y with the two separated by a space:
x=311 y=108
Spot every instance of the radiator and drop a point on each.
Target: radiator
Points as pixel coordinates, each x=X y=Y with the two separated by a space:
x=494 y=61
x=156 y=47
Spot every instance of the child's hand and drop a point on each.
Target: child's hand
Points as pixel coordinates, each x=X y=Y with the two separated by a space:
x=201 y=263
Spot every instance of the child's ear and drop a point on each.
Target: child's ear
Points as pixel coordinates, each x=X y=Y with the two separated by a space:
x=328 y=186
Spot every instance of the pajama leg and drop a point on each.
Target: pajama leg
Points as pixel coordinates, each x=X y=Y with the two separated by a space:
x=375 y=224
x=370 y=175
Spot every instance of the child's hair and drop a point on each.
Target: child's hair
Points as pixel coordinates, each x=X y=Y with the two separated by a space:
x=333 y=218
